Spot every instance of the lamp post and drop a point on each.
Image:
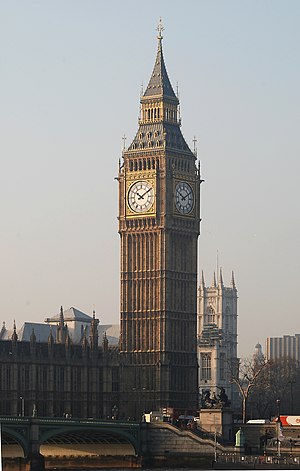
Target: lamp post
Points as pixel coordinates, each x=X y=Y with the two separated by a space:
x=22 y=406
x=278 y=427
x=115 y=411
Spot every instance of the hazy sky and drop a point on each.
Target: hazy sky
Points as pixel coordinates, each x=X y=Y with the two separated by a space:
x=70 y=79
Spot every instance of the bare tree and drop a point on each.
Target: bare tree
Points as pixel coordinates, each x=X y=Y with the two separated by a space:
x=280 y=380
x=245 y=374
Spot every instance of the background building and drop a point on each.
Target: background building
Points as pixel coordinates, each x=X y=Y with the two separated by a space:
x=217 y=336
x=286 y=347
x=57 y=376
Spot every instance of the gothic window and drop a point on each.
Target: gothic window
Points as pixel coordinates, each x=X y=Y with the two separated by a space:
x=115 y=379
x=157 y=143
x=210 y=316
x=205 y=366
x=226 y=319
x=222 y=366
x=131 y=166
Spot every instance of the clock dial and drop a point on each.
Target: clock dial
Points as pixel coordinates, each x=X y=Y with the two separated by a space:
x=141 y=196
x=184 y=197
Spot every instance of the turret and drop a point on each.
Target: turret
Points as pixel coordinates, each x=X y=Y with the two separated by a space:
x=14 y=337
x=62 y=329
x=94 y=333
x=232 y=283
x=33 y=343
x=84 y=343
x=220 y=280
x=50 y=343
x=202 y=282
x=214 y=283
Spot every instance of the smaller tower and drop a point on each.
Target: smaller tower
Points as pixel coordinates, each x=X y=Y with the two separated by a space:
x=50 y=343
x=258 y=356
x=14 y=338
x=94 y=333
x=217 y=335
x=62 y=328
x=33 y=343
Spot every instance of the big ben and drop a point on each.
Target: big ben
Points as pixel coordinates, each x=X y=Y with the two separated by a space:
x=159 y=223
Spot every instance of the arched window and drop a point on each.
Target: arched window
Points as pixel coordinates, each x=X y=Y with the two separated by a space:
x=210 y=316
x=205 y=366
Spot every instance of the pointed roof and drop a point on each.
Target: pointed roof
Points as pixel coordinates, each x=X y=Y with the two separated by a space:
x=232 y=280
x=71 y=314
x=159 y=84
x=214 y=282
x=220 y=278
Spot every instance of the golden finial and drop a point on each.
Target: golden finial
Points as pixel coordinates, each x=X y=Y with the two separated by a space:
x=160 y=29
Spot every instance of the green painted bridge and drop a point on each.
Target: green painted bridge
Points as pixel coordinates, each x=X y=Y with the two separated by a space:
x=142 y=443
x=35 y=434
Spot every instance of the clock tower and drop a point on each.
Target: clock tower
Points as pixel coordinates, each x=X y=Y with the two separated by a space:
x=159 y=192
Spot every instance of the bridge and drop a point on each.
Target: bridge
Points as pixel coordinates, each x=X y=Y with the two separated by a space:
x=125 y=443
x=32 y=437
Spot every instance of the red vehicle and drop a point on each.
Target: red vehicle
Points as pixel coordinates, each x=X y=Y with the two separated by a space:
x=286 y=420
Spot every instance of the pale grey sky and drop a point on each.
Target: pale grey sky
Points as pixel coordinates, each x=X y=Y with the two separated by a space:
x=71 y=74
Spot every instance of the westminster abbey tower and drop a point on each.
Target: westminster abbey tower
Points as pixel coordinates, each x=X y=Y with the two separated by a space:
x=159 y=192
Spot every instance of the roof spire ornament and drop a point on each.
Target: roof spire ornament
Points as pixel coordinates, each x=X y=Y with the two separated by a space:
x=160 y=29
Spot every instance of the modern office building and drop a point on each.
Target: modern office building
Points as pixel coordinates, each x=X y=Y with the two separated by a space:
x=286 y=347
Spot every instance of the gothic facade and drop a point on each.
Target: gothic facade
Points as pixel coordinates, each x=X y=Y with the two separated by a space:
x=154 y=364
x=159 y=188
x=217 y=336
x=57 y=376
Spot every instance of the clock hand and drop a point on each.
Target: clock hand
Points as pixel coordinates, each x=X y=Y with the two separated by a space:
x=184 y=197
x=140 y=197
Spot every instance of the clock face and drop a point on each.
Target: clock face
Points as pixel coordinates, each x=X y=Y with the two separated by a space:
x=141 y=196
x=184 y=197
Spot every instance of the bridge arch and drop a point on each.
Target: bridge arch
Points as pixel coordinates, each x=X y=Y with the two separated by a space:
x=10 y=436
x=90 y=440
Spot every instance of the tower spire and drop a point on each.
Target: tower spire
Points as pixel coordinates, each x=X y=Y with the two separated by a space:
x=220 y=278
x=159 y=84
x=160 y=29
x=232 y=280
x=214 y=283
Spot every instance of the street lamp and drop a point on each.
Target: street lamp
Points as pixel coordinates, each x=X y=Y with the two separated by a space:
x=114 y=411
x=278 y=427
x=22 y=406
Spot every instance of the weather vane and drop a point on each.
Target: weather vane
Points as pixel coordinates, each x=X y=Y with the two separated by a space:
x=124 y=142
x=160 y=28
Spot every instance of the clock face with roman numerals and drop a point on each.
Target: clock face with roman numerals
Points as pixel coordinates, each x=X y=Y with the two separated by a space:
x=184 y=197
x=141 y=196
